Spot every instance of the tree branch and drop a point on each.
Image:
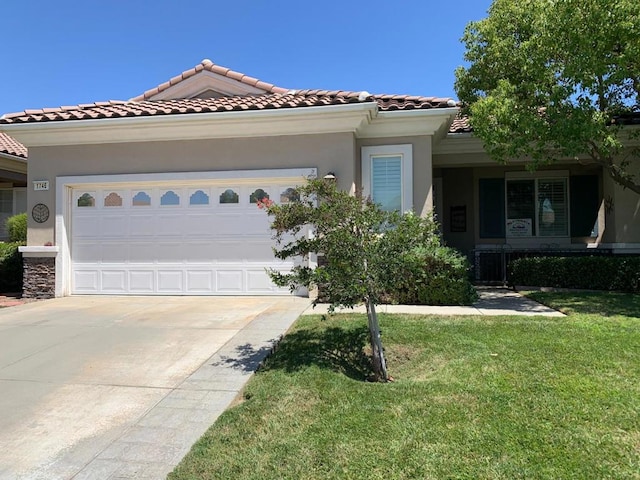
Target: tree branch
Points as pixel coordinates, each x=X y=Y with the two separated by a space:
x=615 y=171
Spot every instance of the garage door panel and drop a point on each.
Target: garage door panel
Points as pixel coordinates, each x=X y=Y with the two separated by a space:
x=86 y=281
x=232 y=224
x=229 y=281
x=170 y=224
x=112 y=225
x=141 y=225
x=142 y=252
x=200 y=224
x=85 y=252
x=115 y=252
x=200 y=253
x=85 y=226
x=142 y=281
x=259 y=282
x=200 y=281
x=114 y=281
x=170 y=281
x=258 y=251
x=231 y=251
x=169 y=252
x=190 y=243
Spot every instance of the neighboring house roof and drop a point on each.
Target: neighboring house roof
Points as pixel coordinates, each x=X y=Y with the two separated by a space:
x=209 y=88
x=460 y=125
x=10 y=146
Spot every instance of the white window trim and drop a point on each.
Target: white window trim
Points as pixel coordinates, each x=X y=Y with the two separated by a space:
x=405 y=151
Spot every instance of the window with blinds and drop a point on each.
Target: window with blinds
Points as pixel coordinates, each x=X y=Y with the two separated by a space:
x=387 y=176
x=552 y=208
x=386 y=182
x=537 y=207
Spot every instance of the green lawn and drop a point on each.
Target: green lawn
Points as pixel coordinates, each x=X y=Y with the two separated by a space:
x=474 y=398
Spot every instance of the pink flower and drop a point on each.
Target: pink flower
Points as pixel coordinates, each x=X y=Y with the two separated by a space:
x=264 y=203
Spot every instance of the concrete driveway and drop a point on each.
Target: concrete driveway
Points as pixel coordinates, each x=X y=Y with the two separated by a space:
x=121 y=387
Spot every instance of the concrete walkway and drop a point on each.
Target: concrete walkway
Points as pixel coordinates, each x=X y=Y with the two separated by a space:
x=493 y=301
x=121 y=387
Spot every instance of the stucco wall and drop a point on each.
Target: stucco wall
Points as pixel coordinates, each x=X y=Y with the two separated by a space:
x=327 y=152
x=458 y=189
x=623 y=212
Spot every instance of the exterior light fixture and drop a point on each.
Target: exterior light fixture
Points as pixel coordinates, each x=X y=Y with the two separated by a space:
x=330 y=176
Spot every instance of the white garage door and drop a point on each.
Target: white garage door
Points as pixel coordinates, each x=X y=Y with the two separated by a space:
x=174 y=240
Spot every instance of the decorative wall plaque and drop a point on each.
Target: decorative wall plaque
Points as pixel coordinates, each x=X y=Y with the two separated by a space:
x=40 y=213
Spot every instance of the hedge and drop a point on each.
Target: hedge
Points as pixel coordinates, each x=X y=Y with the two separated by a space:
x=615 y=273
x=432 y=276
x=10 y=267
x=17 y=228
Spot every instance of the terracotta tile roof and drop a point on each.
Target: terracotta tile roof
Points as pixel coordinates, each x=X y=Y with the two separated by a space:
x=208 y=65
x=290 y=99
x=11 y=146
x=460 y=125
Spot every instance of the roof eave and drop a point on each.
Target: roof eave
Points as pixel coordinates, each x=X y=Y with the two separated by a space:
x=11 y=163
x=250 y=123
x=404 y=123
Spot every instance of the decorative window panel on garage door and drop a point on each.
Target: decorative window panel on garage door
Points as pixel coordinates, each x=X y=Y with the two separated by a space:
x=174 y=240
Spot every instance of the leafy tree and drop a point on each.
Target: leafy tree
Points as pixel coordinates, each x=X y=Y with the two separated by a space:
x=359 y=258
x=556 y=78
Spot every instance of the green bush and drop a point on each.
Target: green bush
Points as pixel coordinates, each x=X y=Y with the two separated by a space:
x=432 y=276
x=420 y=270
x=617 y=273
x=10 y=267
x=17 y=228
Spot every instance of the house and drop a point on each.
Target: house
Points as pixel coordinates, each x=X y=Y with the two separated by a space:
x=156 y=195
x=13 y=180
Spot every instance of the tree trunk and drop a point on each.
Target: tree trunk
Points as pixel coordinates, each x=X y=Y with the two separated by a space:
x=377 y=352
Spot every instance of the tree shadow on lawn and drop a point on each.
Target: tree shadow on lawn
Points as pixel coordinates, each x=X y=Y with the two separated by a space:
x=337 y=349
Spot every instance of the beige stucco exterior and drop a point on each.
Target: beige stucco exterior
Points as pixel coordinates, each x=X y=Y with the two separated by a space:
x=336 y=152
x=339 y=153
x=622 y=208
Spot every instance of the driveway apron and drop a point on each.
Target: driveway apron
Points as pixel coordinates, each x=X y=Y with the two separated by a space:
x=121 y=387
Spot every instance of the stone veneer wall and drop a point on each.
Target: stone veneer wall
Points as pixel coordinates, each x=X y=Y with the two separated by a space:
x=39 y=277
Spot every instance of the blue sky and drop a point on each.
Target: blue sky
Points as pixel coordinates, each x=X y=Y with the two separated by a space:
x=66 y=52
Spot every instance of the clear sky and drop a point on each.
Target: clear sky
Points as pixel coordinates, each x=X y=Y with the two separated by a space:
x=66 y=52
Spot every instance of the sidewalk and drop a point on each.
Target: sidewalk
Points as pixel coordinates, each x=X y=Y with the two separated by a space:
x=493 y=301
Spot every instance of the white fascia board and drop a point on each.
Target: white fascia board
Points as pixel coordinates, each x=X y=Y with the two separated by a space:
x=252 y=123
x=455 y=143
x=404 y=123
x=12 y=163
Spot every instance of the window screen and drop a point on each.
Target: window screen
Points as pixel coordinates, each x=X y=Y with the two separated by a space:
x=386 y=182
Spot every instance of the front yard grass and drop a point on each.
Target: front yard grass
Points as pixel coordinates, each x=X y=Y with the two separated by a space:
x=474 y=398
